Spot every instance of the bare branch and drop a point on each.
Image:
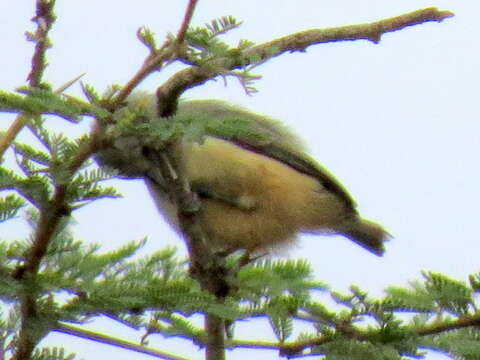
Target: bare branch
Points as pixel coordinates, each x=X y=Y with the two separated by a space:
x=369 y=31
x=186 y=21
x=151 y=65
x=259 y=345
x=109 y=340
x=156 y=60
x=44 y=18
x=197 y=75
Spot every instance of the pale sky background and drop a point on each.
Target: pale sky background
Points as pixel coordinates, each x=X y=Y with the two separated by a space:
x=397 y=123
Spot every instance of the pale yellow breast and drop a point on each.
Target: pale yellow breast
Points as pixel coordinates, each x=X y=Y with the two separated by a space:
x=283 y=200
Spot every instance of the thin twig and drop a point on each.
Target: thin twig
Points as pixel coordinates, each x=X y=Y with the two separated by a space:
x=7 y=139
x=113 y=341
x=44 y=18
x=186 y=21
x=462 y=322
x=151 y=65
x=155 y=61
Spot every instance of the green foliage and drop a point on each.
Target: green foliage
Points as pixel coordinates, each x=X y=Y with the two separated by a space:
x=346 y=349
x=78 y=282
x=147 y=37
x=9 y=326
x=204 y=48
x=9 y=207
x=460 y=344
x=55 y=353
x=175 y=325
x=415 y=298
x=450 y=295
x=44 y=166
x=204 y=43
x=274 y=278
x=85 y=188
x=42 y=101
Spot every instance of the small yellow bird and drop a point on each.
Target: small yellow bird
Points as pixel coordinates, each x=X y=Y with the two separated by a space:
x=258 y=188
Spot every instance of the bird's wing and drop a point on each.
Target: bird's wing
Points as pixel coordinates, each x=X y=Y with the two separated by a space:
x=259 y=134
x=303 y=165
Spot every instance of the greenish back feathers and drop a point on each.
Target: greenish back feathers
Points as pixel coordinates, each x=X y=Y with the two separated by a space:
x=254 y=132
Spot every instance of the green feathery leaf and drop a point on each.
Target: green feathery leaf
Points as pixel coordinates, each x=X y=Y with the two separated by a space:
x=9 y=207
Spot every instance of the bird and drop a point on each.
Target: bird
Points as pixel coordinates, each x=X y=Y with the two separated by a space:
x=258 y=187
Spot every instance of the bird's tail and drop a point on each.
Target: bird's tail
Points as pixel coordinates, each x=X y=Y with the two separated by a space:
x=367 y=234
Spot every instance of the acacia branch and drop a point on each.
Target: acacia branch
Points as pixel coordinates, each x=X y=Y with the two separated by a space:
x=186 y=20
x=50 y=217
x=156 y=60
x=197 y=75
x=369 y=31
x=12 y=132
x=298 y=347
x=44 y=18
x=109 y=340
x=449 y=325
x=52 y=213
x=150 y=65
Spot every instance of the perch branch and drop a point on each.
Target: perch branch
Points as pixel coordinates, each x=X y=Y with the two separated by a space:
x=197 y=75
x=462 y=322
x=108 y=340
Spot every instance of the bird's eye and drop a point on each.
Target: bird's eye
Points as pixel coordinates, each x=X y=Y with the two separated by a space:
x=145 y=151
